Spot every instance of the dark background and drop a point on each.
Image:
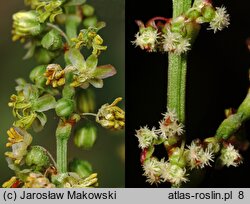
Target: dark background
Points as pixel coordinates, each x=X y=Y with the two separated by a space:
x=217 y=79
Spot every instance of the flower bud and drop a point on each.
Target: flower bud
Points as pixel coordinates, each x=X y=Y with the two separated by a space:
x=25 y=24
x=90 y=22
x=64 y=107
x=85 y=137
x=37 y=157
x=68 y=92
x=208 y=13
x=193 y=14
x=81 y=167
x=88 y=10
x=178 y=26
x=52 y=40
x=37 y=75
x=44 y=56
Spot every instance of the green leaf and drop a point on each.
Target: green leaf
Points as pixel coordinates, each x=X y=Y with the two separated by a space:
x=91 y=62
x=75 y=2
x=104 y=71
x=30 y=92
x=75 y=58
x=44 y=103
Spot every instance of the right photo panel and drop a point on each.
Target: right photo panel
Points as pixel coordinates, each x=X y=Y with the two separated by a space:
x=187 y=94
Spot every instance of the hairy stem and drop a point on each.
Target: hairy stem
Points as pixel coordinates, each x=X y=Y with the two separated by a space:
x=177 y=69
x=61 y=154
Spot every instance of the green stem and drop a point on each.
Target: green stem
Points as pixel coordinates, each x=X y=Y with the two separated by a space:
x=61 y=154
x=60 y=31
x=177 y=70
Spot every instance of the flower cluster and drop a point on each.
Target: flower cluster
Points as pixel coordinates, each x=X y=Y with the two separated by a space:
x=50 y=29
x=177 y=34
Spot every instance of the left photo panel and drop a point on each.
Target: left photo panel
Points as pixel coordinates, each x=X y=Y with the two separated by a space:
x=62 y=94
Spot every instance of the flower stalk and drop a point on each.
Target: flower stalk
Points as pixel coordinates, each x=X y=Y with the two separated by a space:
x=177 y=70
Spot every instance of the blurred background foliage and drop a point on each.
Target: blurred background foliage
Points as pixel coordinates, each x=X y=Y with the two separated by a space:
x=107 y=155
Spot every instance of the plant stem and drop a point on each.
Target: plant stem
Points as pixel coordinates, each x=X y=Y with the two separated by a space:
x=88 y=114
x=177 y=70
x=60 y=31
x=61 y=154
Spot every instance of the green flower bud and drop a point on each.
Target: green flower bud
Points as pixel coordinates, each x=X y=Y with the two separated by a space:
x=177 y=157
x=244 y=108
x=44 y=56
x=37 y=75
x=26 y=24
x=52 y=40
x=63 y=130
x=81 y=167
x=88 y=10
x=208 y=13
x=85 y=137
x=193 y=30
x=64 y=107
x=229 y=126
x=178 y=26
x=68 y=92
x=193 y=14
x=90 y=22
x=86 y=101
x=37 y=157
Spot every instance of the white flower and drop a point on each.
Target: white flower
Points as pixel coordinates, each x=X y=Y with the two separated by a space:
x=230 y=156
x=170 y=126
x=152 y=170
x=174 y=42
x=146 y=39
x=146 y=136
x=221 y=19
x=173 y=174
x=197 y=157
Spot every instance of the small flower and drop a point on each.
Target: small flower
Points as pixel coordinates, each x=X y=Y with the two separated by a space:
x=55 y=75
x=111 y=116
x=230 y=156
x=152 y=170
x=221 y=19
x=25 y=25
x=146 y=137
x=87 y=72
x=48 y=9
x=197 y=157
x=170 y=126
x=175 y=42
x=146 y=39
x=37 y=180
x=19 y=140
x=173 y=174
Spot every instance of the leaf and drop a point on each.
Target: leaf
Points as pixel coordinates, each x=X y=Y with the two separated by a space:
x=75 y=2
x=44 y=103
x=105 y=71
x=91 y=62
x=75 y=58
